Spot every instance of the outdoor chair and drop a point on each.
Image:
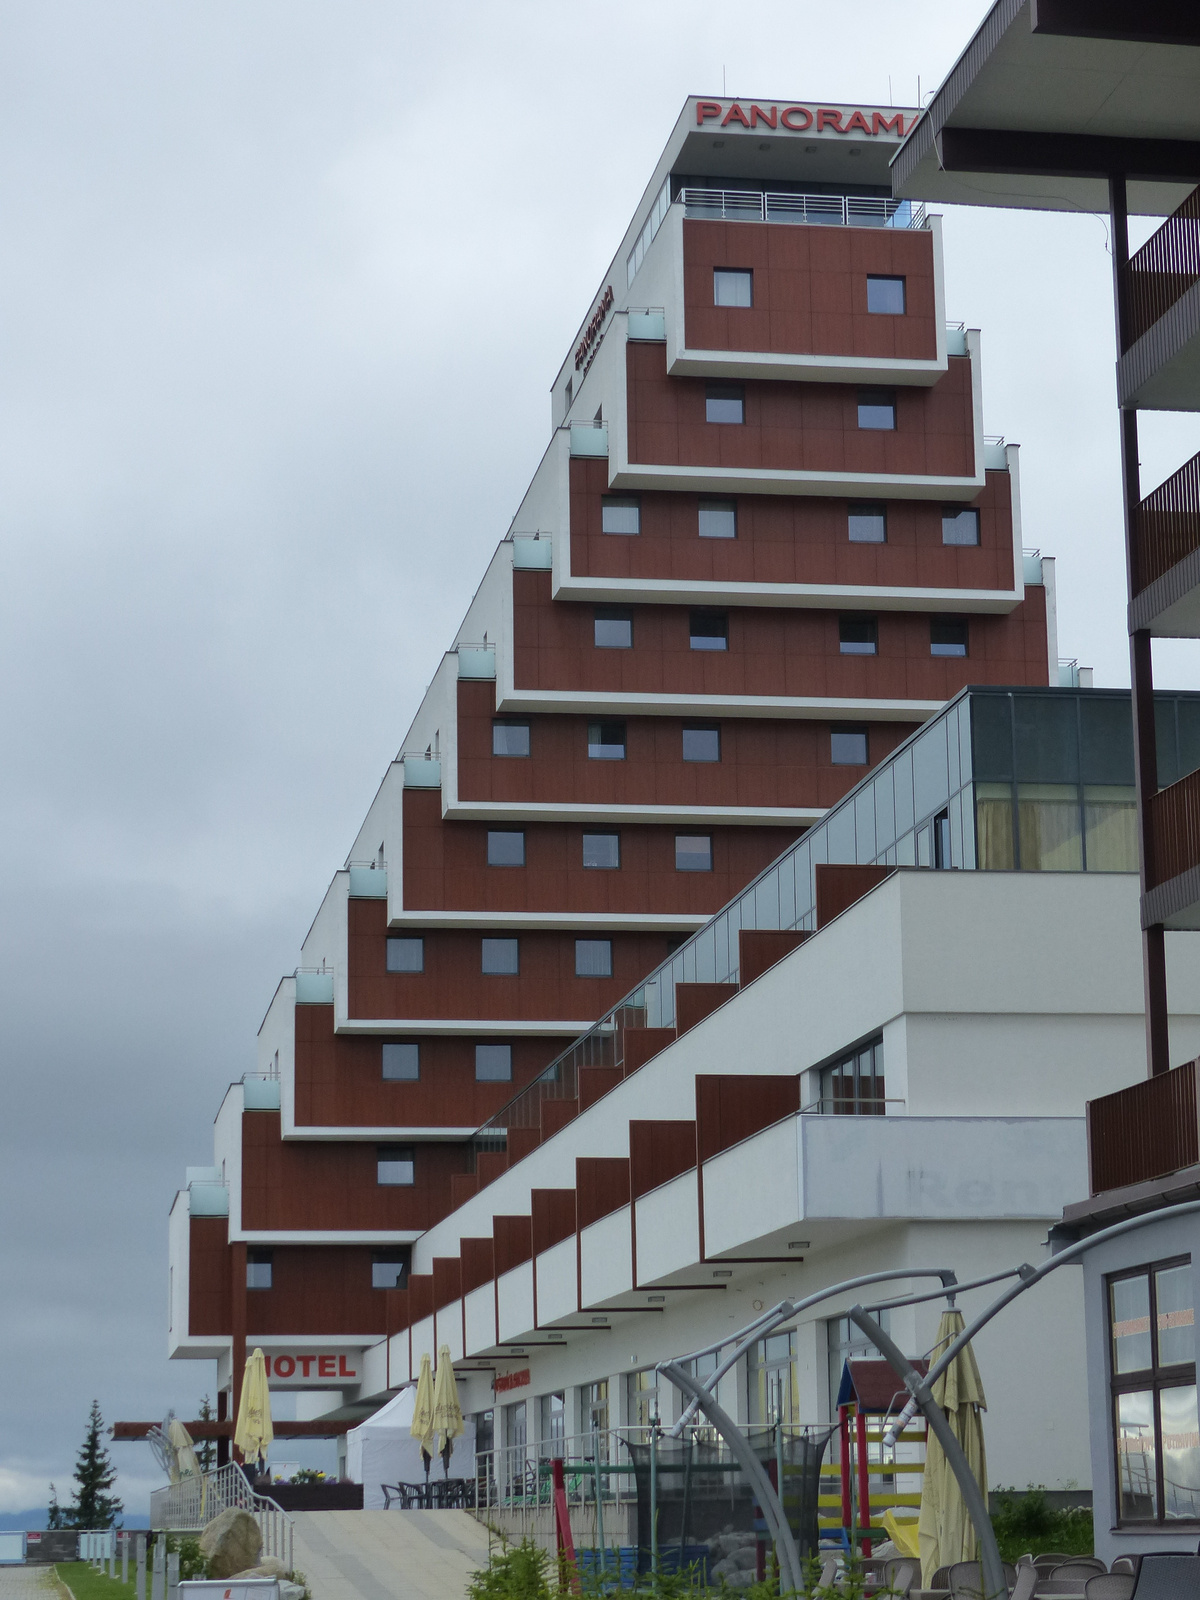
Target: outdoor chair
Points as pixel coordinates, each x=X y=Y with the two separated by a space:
x=1110 y=1586
x=895 y=1574
x=1165 y=1575
x=1027 y=1577
x=966 y=1579
x=941 y=1578
x=1125 y=1564
x=1079 y=1568
x=1049 y=1559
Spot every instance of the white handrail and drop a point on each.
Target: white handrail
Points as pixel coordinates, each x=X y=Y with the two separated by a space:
x=757 y=205
x=187 y=1506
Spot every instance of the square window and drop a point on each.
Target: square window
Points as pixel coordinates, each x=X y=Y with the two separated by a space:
x=885 y=296
x=593 y=958
x=947 y=636
x=858 y=636
x=406 y=955
x=718 y=519
x=877 y=409
x=602 y=850
x=867 y=524
x=693 y=852
x=620 y=514
x=701 y=742
x=724 y=402
x=389 y=1272
x=732 y=286
x=510 y=738
x=505 y=848
x=848 y=747
x=501 y=957
x=394 y=1164
x=606 y=741
x=401 y=1061
x=613 y=629
x=493 y=1063
x=709 y=630
x=259 y=1269
x=960 y=526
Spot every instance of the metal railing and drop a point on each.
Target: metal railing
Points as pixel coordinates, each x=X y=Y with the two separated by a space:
x=187 y=1506
x=1167 y=525
x=1143 y=1132
x=1174 y=830
x=1163 y=270
x=826 y=210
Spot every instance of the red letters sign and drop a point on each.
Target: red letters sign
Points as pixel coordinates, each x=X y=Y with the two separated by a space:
x=511 y=1380
x=800 y=119
x=296 y=1368
x=592 y=332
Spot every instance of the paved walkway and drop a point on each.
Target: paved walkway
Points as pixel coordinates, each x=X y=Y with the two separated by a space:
x=383 y=1555
x=29 y=1583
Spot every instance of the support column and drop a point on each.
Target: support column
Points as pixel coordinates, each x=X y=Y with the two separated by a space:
x=1141 y=665
x=237 y=1305
x=223 y=1457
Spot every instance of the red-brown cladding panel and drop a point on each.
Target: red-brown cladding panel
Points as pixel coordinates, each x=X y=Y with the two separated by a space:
x=420 y=1296
x=595 y=1083
x=695 y=1001
x=513 y=1238
x=601 y=1185
x=553 y=1212
x=840 y=885
x=447 y=1280
x=521 y=1143
x=318 y=1289
x=396 y=1315
x=478 y=1263
x=555 y=1114
x=760 y=948
x=643 y=1044
x=463 y=1187
x=731 y=1108
x=208 y=1276
x=658 y=1152
x=489 y=1164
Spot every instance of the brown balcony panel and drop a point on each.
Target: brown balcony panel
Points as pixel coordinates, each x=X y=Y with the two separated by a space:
x=1163 y=270
x=642 y=1044
x=760 y=948
x=595 y=1082
x=1173 y=863
x=1166 y=552
x=839 y=885
x=556 y=1114
x=1144 y=1132
x=489 y=1164
x=695 y=1001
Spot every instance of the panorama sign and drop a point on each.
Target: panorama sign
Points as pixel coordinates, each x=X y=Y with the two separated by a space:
x=779 y=117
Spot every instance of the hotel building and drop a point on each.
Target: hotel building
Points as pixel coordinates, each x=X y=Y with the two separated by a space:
x=767 y=541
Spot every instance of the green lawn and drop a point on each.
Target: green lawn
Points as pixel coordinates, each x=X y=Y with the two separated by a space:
x=85 y=1583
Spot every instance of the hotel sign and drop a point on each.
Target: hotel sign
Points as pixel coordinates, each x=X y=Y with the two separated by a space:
x=314 y=1369
x=780 y=117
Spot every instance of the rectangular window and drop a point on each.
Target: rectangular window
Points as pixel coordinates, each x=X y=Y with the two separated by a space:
x=259 y=1267
x=620 y=514
x=959 y=526
x=606 y=741
x=510 y=738
x=848 y=747
x=613 y=629
x=553 y=1408
x=693 y=852
x=877 y=409
x=701 y=742
x=501 y=957
x=493 y=1063
x=593 y=958
x=867 y=524
x=602 y=851
x=858 y=636
x=394 y=1165
x=947 y=636
x=406 y=955
x=885 y=296
x=732 y=286
x=725 y=402
x=641 y=1398
x=709 y=630
x=773 y=1392
x=593 y=1410
x=1152 y=1367
x=718 y=519
x=389 y=1271
x=505 y=847
x=853 y=1086
x=401 y=1061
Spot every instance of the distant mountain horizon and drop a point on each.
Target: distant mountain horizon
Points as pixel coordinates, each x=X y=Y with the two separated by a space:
x=35 y=1521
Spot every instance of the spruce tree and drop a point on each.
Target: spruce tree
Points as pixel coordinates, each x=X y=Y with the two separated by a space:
x=56 y=1516
x=206 y=1450
x=93 y=1506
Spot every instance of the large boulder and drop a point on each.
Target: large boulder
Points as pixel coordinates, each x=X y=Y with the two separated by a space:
x=231 y=1543
x=268 y=1567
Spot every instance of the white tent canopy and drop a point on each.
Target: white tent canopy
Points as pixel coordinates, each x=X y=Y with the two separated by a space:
x=382 y=1450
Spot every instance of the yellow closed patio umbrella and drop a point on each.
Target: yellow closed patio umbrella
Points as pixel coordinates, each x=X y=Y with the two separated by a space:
x=254 y=1432
x=447 y=1411
x=422 y=1428
x=944 y=1529
x=186 y=1464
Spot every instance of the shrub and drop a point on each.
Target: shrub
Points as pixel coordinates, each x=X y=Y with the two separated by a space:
x=1028 y=1522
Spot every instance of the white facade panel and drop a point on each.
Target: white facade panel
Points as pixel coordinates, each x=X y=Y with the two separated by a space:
x=557 y=1282
x=606 y=1265
x=479 y=1310
x=668 y=1232
x=514 y=1302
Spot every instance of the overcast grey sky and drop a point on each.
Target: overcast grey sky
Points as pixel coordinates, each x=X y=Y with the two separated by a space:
x=282 y=289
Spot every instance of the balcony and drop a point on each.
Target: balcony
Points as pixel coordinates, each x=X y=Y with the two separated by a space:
x=589 y=439
x=368 y=881
x=313 y=988
x=1173 y=860
x=1159 y=369
x=208 y=1194
x=1166 y=557
x=1145 y=1132
x=813 y=210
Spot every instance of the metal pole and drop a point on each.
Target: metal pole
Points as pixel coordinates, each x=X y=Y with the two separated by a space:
x=139 y=1582
x=791 y=1572
x=173 y=1576
x=653 y=1499
x=994 y=1583
x=599 y=1502
x=124 y=1558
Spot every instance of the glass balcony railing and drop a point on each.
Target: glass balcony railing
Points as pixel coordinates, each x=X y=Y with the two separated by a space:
x=820 y=210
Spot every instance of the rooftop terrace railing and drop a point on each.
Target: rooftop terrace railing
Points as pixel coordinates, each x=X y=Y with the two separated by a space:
x=1168 y=525
x=827 y=210
x=1163 y=270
